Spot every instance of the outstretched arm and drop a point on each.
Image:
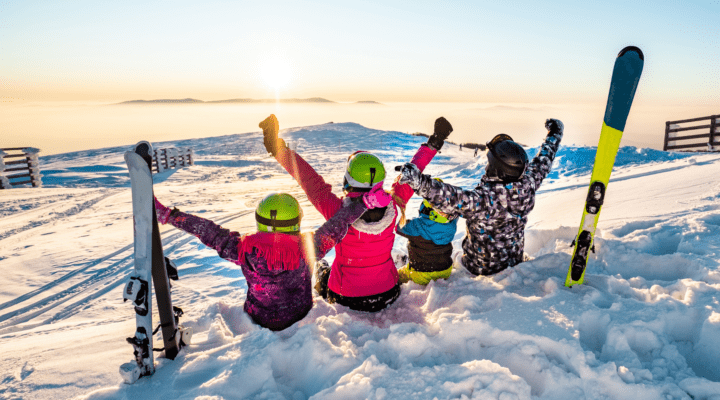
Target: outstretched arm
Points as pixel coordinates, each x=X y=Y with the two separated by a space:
x=451 y=199
x=540 y=166
x=210 y=234
x=335 y=229
x=317 y=190
x=425 y=154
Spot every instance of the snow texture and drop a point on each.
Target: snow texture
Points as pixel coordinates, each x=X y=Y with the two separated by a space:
x=645 y=325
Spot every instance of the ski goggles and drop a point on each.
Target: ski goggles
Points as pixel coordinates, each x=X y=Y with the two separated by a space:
x=432 y=214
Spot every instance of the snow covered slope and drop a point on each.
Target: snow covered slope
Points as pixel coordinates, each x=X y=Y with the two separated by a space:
x=646 y=325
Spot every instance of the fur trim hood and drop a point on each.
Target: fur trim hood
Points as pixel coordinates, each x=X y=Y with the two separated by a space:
x=374 y=228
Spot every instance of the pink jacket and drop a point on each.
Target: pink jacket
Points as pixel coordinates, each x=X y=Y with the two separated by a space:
x=363 y=265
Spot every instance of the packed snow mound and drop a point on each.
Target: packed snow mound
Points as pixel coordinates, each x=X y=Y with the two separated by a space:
x=645 y=325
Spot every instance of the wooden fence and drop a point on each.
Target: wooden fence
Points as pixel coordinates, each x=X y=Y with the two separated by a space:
x=172 y=158
x=22 y=169
x=706 y=141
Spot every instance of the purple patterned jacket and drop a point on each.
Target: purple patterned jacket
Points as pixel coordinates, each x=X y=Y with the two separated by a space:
x=276 y=298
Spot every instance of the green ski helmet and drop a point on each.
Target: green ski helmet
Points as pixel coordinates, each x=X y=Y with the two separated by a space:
x=278 y=212
x=364 y=170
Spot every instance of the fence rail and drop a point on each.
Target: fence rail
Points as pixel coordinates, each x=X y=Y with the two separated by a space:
x=172 y=158
x=25 y=170
x=672 y=140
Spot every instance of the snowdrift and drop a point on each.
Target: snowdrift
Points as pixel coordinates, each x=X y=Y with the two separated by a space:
x=645 y=325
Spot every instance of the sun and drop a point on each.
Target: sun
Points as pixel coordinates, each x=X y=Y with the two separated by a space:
x=276 y=73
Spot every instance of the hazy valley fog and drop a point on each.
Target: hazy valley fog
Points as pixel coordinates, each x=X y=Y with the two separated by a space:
x=62 y=127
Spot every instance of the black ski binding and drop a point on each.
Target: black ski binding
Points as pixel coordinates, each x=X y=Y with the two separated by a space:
x=579 y=262
x=136 y=291
x=141 y=345
x=172 y=271
x=595 y=197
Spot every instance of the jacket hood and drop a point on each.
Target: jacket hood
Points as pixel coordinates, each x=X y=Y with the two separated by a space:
x=374 y=228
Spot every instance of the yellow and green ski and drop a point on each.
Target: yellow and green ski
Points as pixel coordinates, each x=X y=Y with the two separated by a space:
x=625 y=78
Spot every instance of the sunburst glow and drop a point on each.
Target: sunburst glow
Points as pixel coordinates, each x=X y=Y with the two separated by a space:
x=276 y=73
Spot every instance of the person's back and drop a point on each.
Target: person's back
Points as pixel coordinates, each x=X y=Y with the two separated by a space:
x=276 y=259
x=430 y=249
x=363 y=276
x=496 y=210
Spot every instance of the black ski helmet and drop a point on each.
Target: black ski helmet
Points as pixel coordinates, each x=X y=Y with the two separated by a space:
x=507 y=160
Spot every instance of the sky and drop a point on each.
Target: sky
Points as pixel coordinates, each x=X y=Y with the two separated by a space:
x=388 y=51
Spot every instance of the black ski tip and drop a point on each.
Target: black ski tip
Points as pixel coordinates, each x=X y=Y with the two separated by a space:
x=143 y=148
x=632 y=48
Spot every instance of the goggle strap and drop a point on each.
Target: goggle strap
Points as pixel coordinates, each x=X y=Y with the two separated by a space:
x=274 y=222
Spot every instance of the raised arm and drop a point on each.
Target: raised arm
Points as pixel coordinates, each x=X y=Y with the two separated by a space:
x=317 y=190
x=451 y=199
x=335 y=229
x=540 y=166
x=422 y=158
x=210 y=234
x=425 y=154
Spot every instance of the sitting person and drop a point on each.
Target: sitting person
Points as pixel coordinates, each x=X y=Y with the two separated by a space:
x=429 y=245
x=363 y=276
x=275 y=260
x=497 y=209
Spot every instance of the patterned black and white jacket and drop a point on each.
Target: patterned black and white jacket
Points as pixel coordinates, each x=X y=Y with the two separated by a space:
x=496 y=212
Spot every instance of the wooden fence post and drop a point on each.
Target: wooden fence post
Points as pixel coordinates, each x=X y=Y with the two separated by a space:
x=4 y=181
x=158 y=160
x=166 y=162
x=31 y=154
x=674 y=139
x=172 y=158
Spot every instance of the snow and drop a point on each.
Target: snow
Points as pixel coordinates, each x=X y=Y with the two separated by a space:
x=645 y=325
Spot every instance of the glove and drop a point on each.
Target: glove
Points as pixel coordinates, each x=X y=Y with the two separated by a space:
x=271 y=127
x=441 y=132
x=163 y=213
x=410 y=174
x=554 y=126
x=377 y=197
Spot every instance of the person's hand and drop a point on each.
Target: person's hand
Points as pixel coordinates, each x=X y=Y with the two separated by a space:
x=377 y=197
x=440 y=133
x=271 y=127
x=410 y=175
x=554 y=126
x=163 y=213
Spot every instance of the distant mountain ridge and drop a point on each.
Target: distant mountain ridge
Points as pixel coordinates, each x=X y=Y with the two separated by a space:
x=246 y=101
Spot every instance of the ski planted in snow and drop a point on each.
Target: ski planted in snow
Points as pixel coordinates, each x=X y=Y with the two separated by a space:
x=625 y=78
x=154 y=266
x=138 y=288
x=168 y=314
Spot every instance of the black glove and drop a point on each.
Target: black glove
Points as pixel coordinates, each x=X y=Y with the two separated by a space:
x=271 y=127
x=442 y=131
x=554 y=126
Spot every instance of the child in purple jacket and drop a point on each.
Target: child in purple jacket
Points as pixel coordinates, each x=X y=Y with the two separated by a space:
x=276 y=260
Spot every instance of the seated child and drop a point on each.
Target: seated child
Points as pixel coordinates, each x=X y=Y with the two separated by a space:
x=429 y=245
x=275 y=260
